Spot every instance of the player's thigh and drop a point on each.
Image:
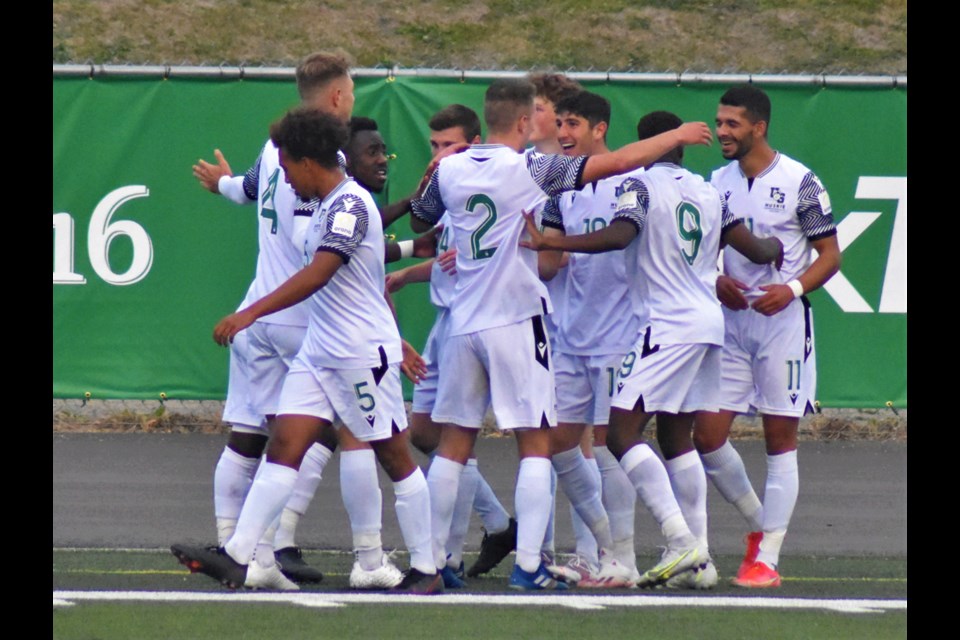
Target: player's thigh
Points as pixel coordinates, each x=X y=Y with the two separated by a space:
x=463 y=397
x=237 y=410
x=272 y=351
x=737 y=388
x=783 y=363
x=368 y=401
x=425 y=393
x=522 y=384
x=574 y=391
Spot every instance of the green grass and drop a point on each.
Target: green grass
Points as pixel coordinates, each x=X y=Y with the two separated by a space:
x=753 y=36
x=806 y=577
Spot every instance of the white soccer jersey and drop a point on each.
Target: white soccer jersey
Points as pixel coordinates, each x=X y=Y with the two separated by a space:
x=442 y=285
x=601 y=312
x=351 y=326
x=484 y=189
x=786 y=200
x=679 y=219
x=283 y=222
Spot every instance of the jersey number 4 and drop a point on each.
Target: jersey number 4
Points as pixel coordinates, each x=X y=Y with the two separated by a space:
x=268 y=209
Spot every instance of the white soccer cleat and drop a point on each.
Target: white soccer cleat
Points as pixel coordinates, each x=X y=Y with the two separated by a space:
x=612 y=575
x=576 y=569
x=267 y=578
x=700 y=578
x=672 y=562
x=386 y=576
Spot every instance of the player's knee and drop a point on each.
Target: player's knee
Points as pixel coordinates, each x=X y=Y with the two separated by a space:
x=328 y=437
x=248 y=445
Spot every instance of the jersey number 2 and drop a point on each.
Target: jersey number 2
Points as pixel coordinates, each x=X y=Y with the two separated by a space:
x=481 y=200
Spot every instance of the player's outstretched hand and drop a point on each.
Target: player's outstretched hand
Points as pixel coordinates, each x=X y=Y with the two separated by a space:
x=777 y=297
x=413 y=366
x=695 y=133
x=449 y=151
x=448 y=261
x=536 y=238
x=425 y=246
x=209 y=174
x=230 y=326
x=730 y=293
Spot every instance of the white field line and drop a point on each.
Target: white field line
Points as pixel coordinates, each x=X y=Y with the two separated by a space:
x=600 y=602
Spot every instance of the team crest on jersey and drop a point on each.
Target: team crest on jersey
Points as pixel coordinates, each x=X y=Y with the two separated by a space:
x=776 y=201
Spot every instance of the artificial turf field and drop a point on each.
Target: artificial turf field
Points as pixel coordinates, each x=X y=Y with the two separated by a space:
x=106 y=594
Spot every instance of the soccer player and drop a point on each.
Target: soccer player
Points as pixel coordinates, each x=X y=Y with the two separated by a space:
x=260 y=359
x=497 y=344
x=454 y=124
x=349 y=362
x=672 y=370
x=768 y=361
x=597 y=318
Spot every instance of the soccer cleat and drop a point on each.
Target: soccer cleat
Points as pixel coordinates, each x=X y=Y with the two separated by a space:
x=539 y=580
x=672 y=562
x=612 y=575
x=459 y=571
x=758 y=576
x=292 y=565
x=212 y=561
x=386 y=576
x=576 y=569
x=494 y=548
x=701 y=578
x=267 y=578
x=415 y=581
x=753 y=548
x=450 y=578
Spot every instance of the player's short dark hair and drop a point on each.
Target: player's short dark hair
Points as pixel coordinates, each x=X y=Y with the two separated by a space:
x=585 y=104
x=457 y=115
x=318 y=69
x=554 y=86
x=657 y=122
x=505 y=101
x=360 y=123
x=753 y=99
x=308 y=133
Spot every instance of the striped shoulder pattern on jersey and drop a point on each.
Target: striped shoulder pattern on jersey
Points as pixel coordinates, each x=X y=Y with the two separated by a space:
x=251 y=180
x=813 y=208
x=633 y=203
x=346 y=226
x=555 y=173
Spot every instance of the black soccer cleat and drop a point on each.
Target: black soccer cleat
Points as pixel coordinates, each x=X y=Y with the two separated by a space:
x=415 y=581
x=494 y=548
x=292 y=565
x=212 y=561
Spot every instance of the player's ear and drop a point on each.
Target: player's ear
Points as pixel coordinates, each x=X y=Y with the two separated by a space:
x=600 y=131
x=760 y=128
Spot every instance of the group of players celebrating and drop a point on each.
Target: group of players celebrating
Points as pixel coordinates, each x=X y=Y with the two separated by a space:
x=575 y=287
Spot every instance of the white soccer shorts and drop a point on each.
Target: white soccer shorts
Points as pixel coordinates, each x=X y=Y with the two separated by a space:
x=271 y=350
x=769 y=363
x=425 y=393
x=507 y=367
x=237 y=410
x=368 y=401
x=672 y=378
x=585 y=386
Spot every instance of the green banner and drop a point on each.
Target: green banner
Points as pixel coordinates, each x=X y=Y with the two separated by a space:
x=145 y=261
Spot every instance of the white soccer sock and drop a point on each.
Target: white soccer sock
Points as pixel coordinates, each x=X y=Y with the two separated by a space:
x=690 y=488
x=360 y=490
x=619 y=499
x=532 y=504
x=548 y=546
x=725 y=468
x=460 y=524
x=269 y=492
x=413 y=515
x=581 y=482
x=586 y=543
x=649 y=478
x=231 y=482
x=443 y=479
x=779 y=499
x=309 y=476
x=264 y=552
x=492 y=514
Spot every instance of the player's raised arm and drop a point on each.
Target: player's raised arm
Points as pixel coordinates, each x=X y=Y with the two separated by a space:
x=644 y=152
